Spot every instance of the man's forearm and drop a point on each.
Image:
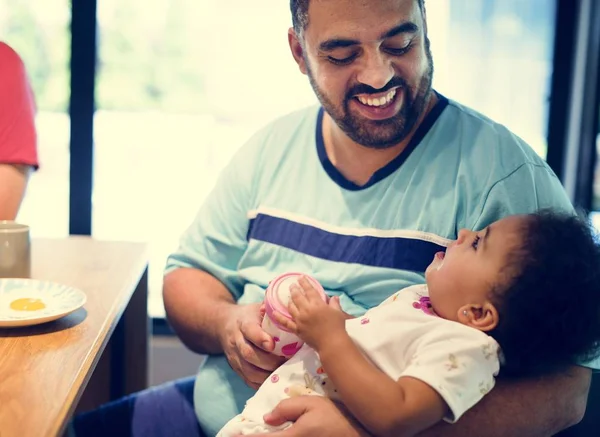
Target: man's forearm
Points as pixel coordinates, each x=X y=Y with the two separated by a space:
x=197 y=304
x=528 y=408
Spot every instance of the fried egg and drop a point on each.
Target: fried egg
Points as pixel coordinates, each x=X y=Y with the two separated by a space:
x=27 y=304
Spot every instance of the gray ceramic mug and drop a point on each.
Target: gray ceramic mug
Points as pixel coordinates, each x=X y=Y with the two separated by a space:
x=15 y=250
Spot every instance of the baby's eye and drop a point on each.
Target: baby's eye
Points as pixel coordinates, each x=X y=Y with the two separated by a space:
x=475 y=242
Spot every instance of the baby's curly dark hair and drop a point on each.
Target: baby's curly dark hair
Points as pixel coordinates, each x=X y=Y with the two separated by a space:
x=549 y=313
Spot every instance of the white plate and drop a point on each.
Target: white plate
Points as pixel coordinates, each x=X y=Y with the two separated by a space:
x=59 y=300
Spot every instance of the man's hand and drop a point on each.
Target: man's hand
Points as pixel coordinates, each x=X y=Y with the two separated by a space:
x=247 y=346
x=313 y=320
x=312 y=416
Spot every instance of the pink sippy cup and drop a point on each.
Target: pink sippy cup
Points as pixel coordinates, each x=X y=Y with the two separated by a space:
x=277 y=297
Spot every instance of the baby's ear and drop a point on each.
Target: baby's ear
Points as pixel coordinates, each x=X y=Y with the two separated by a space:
x=482 y=317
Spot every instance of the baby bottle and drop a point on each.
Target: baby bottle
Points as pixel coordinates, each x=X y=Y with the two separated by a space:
x=277 y=298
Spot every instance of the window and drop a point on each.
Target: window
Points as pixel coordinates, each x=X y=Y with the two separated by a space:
x=181 y=85
x=496 y=57
x=39 y=33
x=174 y=103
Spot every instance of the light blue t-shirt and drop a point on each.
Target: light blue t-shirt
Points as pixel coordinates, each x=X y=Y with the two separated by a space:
x=280 y=205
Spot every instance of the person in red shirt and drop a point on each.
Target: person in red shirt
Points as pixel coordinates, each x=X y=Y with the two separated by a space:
x=18 y=139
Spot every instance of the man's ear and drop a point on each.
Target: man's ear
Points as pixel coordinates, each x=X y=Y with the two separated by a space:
x=297 y=49
x=482 y=317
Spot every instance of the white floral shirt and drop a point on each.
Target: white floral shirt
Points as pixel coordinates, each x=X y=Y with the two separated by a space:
x=403 y=337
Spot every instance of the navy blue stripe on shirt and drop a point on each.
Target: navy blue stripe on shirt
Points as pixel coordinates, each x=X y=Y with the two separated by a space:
x=390 y=252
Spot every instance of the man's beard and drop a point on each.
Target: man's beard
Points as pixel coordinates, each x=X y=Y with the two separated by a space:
x=380 y=134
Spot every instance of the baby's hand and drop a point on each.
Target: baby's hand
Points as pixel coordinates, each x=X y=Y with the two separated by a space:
x=314 y=320
x=334 y=302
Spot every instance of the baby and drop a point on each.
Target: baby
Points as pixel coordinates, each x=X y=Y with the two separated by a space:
x=521 y=297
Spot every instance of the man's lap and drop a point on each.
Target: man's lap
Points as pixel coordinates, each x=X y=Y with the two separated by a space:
x=174 y=408
x=166 y=410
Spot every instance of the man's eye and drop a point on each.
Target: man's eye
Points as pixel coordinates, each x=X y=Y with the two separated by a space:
x=399 y=51
x=342 y=61
x=475 y=242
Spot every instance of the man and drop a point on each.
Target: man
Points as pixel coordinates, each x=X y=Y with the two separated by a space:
x=17 y=132
x=360 y=194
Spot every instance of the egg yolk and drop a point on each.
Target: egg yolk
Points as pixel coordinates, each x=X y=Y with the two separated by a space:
x=27 y=304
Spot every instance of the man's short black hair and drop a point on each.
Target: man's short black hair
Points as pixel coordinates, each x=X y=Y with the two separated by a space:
x=549 y=314
x=299 y=9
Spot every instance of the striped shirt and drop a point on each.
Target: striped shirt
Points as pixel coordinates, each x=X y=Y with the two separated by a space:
x=280 y=205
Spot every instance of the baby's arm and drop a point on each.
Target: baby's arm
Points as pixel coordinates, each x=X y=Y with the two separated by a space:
x=384 y=407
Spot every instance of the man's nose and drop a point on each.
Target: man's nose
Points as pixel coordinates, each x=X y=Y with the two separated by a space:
x=376 y=72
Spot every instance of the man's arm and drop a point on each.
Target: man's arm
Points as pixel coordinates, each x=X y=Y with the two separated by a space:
x=13 y=182
x=528 y=408
x=206 y=318
x=197 y=306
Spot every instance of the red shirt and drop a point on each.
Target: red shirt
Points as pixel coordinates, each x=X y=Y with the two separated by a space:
x=18 y=139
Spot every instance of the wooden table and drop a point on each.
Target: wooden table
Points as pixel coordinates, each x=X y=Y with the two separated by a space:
x=45 y=369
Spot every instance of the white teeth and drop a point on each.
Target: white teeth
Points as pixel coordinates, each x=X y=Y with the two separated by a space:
x=378 y=102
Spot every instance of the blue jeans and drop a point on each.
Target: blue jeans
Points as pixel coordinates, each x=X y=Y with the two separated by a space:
x=163 y=411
